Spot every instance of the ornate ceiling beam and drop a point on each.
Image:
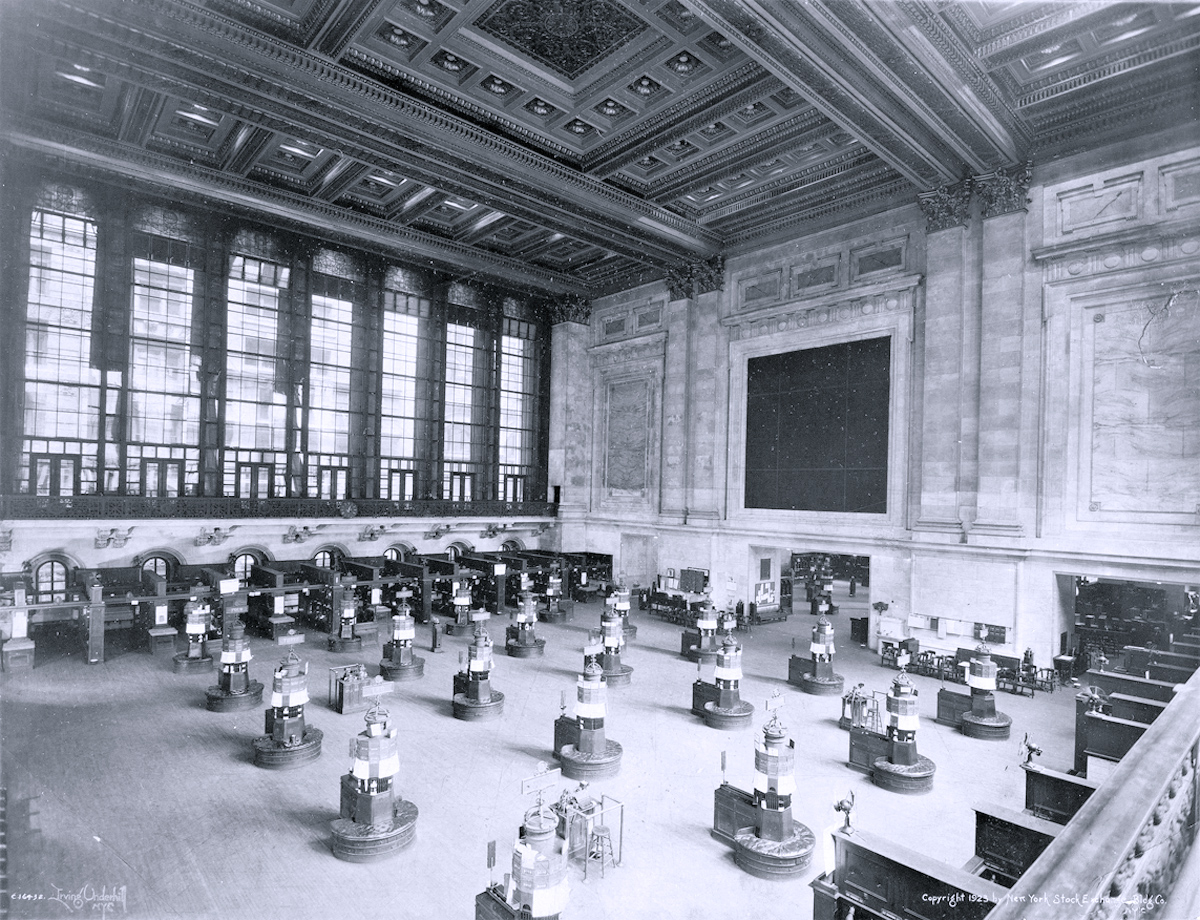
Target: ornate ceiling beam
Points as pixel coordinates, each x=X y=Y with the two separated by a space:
x=167 y=176
x=197 y=53
x=848 y=60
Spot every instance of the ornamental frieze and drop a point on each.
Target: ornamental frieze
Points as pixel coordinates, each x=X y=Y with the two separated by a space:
x=629 y=351
x=572 y=308
x=1124 y=255
x=885 y=302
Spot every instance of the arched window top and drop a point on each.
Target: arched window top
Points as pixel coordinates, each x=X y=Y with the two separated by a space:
x=399 y=552
x=512 y=546
x=50 y=580
x=457 y=550
x=160 y=564
x=328 y=557
x=243 y=562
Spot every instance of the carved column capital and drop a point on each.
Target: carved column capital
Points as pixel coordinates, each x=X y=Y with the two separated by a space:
x=696 y=278
x=708 y=276
x=947 y=206
x=570 y=308
x=679 y=282
x=1003 y=191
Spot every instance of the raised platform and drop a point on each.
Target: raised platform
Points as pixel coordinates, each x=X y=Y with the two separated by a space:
x=774 y=859
x=270 y=755
x=578 y=765
x=186 y=665
x=338 y=644
x=367 y=842
x=739 y=716
x=703 y=655
x=987 y=728
x=619 y=677
x=821 y=686
x=402 y=672
x=914 y=779
x=470 y=710
x=520 y=650
x=455 y=629
x=219 y=700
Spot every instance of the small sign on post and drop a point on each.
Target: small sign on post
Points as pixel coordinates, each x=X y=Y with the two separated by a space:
x=722 y=768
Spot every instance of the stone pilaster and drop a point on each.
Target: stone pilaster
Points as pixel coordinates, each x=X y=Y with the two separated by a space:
x=705 y=490
x=1003 y=377
x=675 y=418
x=569 y=461
x=947 y=282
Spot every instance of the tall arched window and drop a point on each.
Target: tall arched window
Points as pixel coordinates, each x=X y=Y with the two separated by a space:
x=50 y=582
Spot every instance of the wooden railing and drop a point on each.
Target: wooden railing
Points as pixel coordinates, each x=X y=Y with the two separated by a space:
x=121 y=507
x=1122 y=853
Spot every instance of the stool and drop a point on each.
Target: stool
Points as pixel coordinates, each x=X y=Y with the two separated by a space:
x=600 y=847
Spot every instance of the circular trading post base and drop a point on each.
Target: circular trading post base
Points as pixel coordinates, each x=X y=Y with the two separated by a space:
x=739 y=716
x=367 y=842
x=519 y=650
x=454 y=629
x=987 y=728
x=184 y=664
x=620 y=676
x=218 y=700
x=703 y=655
x=338 y=644
x=629 y=630
x=914 y=779
x=578 y=765
x=821 y=686
x=470 y=710
x=402 y=672
x=546 y=616
x=774 y=859
x=270 y=755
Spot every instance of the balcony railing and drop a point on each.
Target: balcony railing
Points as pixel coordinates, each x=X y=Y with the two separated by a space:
x=118 y=507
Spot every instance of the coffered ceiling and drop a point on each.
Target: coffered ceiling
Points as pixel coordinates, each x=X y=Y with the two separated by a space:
x=580 y=145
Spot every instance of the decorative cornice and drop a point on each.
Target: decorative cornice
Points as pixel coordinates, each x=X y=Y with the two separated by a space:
x=946 y=207
x=811 y=217
x=1003 y=191
x=894 y=296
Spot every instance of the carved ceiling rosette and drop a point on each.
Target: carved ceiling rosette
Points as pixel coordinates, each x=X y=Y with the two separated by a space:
x=947 y=206
x=1003 y=191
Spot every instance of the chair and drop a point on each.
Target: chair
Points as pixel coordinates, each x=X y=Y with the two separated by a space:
x=600 y=847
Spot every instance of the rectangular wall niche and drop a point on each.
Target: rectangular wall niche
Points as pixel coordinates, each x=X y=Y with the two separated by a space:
x=817 y=428
x=628 y=438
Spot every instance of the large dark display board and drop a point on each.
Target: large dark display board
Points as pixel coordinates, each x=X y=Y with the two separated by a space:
x=817 y=428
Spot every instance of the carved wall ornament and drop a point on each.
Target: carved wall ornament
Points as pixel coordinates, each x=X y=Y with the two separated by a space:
x=947 y=206
x=113 y=536
x=1003 y=191
x=570 y=308
x=214 y=537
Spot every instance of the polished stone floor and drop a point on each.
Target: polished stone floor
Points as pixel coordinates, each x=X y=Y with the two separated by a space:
x=138 y=789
